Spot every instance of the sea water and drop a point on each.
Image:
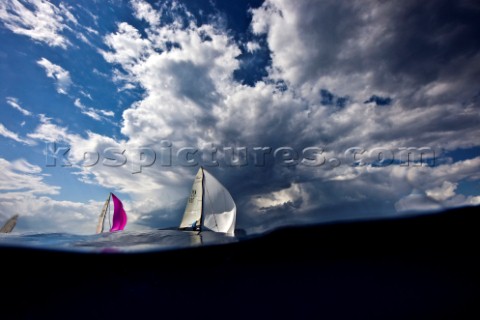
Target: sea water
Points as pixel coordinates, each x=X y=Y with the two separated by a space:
x=115 y=242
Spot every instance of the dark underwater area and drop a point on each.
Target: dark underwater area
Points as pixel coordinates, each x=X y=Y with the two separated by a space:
x=415 y=267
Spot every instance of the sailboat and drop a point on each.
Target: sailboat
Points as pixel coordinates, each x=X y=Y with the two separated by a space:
x=119 y=215
x=9 y=225
x=210 y=207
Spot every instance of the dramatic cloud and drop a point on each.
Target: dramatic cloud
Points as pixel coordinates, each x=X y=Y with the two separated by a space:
x=314 y=45
x=38 y=19
x=340 y=86
x=339 y=94
x=60 y=75
x=181 y=70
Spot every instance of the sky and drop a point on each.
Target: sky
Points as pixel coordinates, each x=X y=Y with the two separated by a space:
x=307 y=111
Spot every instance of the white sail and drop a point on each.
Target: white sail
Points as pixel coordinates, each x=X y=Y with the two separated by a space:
x=219 y=209
x=101 y=218
x=193 y=211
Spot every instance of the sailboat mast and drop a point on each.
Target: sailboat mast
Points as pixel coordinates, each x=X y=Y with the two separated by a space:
x=101 y=219
x=202 y=215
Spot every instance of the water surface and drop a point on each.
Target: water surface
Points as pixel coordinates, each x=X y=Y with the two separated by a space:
x=124 y=241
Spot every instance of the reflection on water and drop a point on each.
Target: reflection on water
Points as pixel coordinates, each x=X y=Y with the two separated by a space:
x=125 y=241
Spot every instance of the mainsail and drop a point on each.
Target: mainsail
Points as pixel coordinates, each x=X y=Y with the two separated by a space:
x=119 y=215
x=101 y=218
x=9 y=225
x=210 y=206
x=193 y=211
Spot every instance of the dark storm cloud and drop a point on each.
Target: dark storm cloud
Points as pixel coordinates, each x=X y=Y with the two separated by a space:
x=425 y=37
x=404 y=45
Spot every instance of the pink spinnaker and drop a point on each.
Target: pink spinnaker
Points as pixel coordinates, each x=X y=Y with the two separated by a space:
x=119 y=215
